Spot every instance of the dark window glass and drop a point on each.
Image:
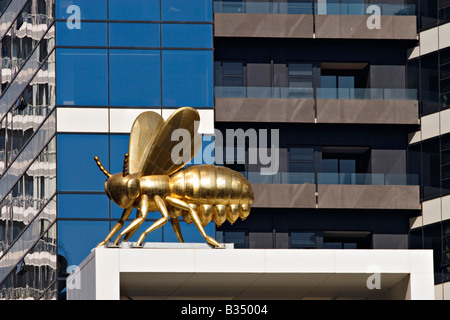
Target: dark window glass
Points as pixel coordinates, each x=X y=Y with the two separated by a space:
x=432 y=240
x=301 y=154
x=428 y=14
x=347 y=240
x=429 y=80
x=444 y=11
x=430 y=169
x=301 y=165
x=415 y=239
x=239 y=238
x=300 y=80
x=302 y=239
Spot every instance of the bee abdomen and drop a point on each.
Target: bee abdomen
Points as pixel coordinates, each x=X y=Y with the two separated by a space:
x=218 y=193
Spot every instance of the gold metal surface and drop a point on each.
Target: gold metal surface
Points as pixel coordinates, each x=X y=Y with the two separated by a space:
x=155 y=182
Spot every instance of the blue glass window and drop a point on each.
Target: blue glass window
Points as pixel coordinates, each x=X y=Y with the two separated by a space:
x=91 y=34
x=187 y=78
x=189 y=231
x=83 y=206
x=77 y=170
x=187 y=35
x=182 y=10
x=76 y=239
x=134 y=10
x=135 y=78
x=134 y=35
x=88 y=9
x=82 y=77
x=119 y=144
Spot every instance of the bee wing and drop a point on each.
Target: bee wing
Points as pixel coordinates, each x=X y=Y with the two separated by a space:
x=143 y=132
x=159 y=160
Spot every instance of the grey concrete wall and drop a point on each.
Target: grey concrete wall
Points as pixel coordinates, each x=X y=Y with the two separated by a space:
x=355 y=27
x=368 y=197
x=367 y=111
x=387 y=76
x=263 y=25
x=264 y=110
x=388 y=161
x=336 y=196
x=284 y=195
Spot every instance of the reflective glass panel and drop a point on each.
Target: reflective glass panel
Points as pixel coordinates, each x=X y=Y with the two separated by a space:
x=82 y=77
x=134 y=35
x=91 y=34
x=187 y=35
x=135 y=78
x=182 y=10
x=76 y=239
x=84 y=9
x=187 y=78
x=134 y=10
x=83 y=206
x=189 y=231
x=76 y=167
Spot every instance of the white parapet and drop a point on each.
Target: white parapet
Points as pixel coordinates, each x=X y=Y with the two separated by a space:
x=195 y=271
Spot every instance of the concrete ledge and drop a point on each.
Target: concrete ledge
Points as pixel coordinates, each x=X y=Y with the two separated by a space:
x=368 y=111
x=252 y=274
x=284 y=195
x=264 y=110
x=368 y=197
x=355 y=27
x=263 y=25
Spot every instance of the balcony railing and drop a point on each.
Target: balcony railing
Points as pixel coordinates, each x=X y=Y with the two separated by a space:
x=386 y=179
x=360 y=9
x=319 y=8
x=372 y=179
x=366 y=93
x=263 y=7
x=319 y=93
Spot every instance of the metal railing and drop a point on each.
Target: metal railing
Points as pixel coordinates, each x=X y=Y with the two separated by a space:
x=318 y=93
x=372 y=179
x=319 y=7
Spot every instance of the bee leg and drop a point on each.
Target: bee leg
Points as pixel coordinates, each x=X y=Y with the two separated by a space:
x=183 y=205
x=142 y=214
x=117 y=226
x=159 y=223
x=176 y=227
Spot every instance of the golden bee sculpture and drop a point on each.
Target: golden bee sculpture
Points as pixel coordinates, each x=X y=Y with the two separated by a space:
x=198 y=193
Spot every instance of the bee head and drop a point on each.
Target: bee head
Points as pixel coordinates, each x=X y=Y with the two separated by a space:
x=122 y=188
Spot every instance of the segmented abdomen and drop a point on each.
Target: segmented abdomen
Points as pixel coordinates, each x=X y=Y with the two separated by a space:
x=217 y=193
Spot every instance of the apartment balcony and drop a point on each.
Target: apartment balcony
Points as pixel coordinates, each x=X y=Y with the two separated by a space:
x=314 y=20
x=335 y=190
x=321 y=105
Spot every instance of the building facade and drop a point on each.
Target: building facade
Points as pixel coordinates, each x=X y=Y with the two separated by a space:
x=347 y=98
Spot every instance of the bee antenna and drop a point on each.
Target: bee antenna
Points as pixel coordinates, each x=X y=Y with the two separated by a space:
x=100 y=166
x=125 y=165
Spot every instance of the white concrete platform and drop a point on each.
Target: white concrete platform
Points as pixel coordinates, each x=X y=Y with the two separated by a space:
x=196 y=271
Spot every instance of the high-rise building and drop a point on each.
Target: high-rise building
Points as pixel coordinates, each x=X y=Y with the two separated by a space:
x=335 y=111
